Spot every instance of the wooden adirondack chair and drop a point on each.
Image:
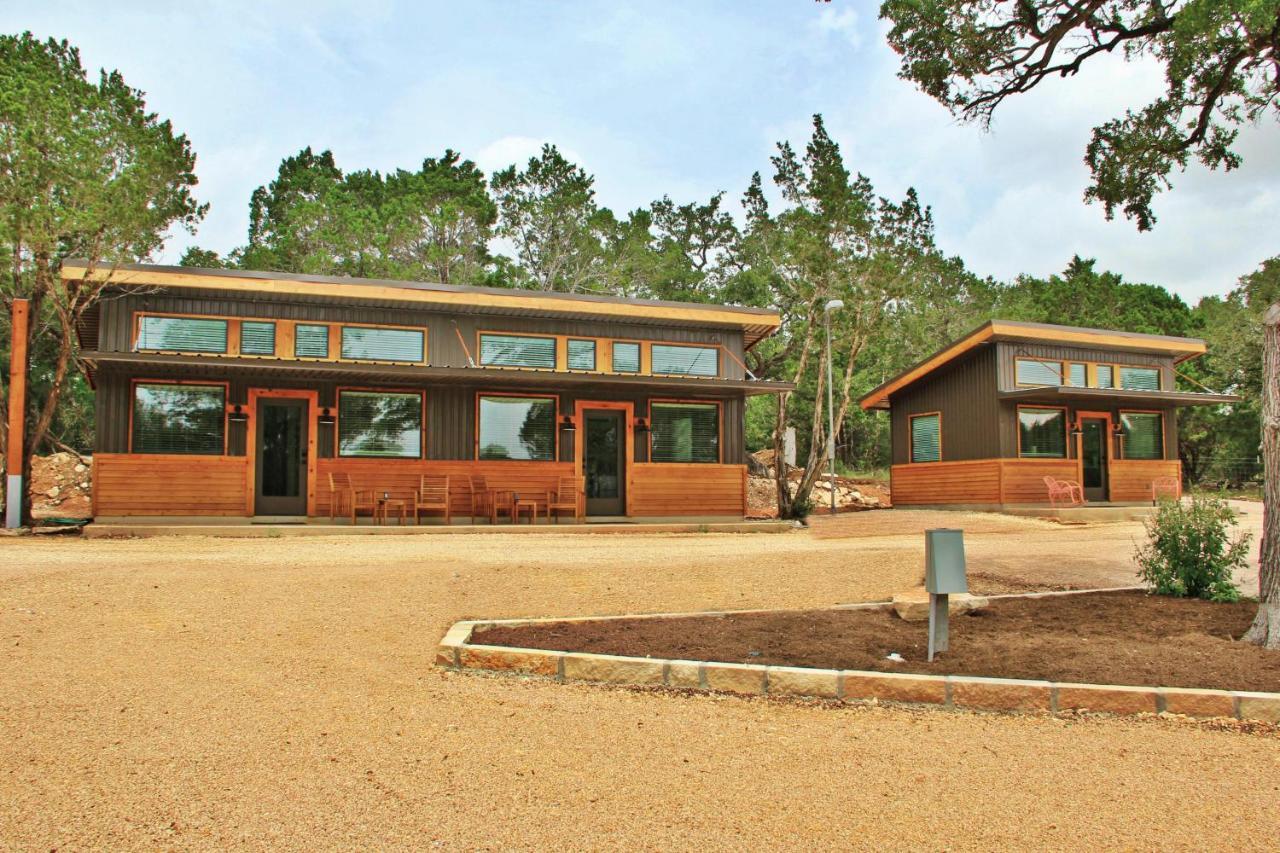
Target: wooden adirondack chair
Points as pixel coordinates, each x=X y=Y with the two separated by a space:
x=1068 y=490
x=564 y=497
x=481 y=497
x=432 y=495
x=344 y=497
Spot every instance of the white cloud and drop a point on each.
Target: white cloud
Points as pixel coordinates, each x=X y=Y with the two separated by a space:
x=841 y=22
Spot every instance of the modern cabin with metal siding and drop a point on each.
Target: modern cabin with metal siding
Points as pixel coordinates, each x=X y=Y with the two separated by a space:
x=985 y=420
x=227 y=393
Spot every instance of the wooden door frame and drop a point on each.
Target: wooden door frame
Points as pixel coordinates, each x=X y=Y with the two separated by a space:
x=1108 y=455
x=579 y=445
x=312 y=399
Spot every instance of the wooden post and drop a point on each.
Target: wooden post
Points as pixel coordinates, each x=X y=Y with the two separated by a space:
x=15 y=491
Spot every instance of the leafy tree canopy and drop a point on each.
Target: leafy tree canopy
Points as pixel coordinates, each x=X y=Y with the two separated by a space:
x=1221 y=60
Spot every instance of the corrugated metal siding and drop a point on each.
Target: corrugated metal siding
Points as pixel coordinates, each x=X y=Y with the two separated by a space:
x=450 y=414
x=1009 y=351
x=443 y=347
x=965 y=394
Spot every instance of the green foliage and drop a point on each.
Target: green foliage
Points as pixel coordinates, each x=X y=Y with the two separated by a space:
x=1218 y=56
x=1189 y=552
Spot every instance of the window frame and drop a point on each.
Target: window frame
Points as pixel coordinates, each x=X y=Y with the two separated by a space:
x=226 y=406
x=555 y=425
x=1066 y=430
x=364 y=389
x=685 y=401
x=1043 y=362
x=713 y=347
x=640 y=352
x=911 y=437
x=342 y=327
x=275 y=338
x=232 y=331
x=1164 y=450
x=1119 y=380
x=328 y=342
x=1066 y=374
x=555 y=339
x=595 y=355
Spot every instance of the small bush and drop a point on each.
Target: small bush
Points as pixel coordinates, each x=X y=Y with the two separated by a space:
x=1189 y=552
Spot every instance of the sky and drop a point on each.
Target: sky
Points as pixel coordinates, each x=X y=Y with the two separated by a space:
x=657 y=98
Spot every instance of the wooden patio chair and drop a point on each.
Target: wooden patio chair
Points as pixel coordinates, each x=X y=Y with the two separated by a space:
x=564 y=497
x=481 y=497
x=1068 y=490
x=432 y=494
x=1171 y=486
x=345 y=497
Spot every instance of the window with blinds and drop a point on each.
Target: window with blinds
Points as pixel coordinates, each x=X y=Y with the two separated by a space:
x=311 y=341
x=1077 y=375
x=517 y=428
x=517 y=351
x=257 y=338
x=626 y=357
x=1142 y=435
x=1140 y=378
x=178 y=418
x=1042 y=433
x=926 y=438
x=684 y=432
x=1106 y=376
x=364 y=344
x=182 y=334
x=1033 y=372
x=581 y=355
x=380 y=424
x=684 y=361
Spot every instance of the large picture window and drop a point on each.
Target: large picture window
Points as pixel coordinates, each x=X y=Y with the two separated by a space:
x=182 y=334
x=517 y=351
x=517 y=428
x=365 y=344
x=1142 y=435
x=684 y=361
x=380 y=423
x=684 y=432
x=1042 y=433
x=171 y=418
x=926 y=438
x=1030 y=371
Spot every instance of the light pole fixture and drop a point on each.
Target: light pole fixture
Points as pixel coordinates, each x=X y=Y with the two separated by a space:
x=832 y=305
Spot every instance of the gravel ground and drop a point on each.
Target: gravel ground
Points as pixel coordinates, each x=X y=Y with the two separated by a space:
x=188 y=693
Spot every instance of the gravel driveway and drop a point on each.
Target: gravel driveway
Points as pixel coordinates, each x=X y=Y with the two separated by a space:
x=216 y=693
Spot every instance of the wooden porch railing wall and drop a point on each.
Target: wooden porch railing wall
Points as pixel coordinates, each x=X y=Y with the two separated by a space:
x=163 y=484
x=662 y=488
x=1015 y=481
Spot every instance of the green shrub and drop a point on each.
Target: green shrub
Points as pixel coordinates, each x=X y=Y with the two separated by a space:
x=1189 y=551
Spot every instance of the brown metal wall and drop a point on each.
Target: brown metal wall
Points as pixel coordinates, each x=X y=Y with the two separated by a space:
x=1009 y=427
x=965 y=393
x=450 y=413
x=443 y=347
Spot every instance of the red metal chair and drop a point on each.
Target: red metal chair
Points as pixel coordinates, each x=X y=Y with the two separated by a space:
x=1068 y=490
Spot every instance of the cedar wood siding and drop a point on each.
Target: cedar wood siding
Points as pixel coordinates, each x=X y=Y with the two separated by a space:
x=964 y=392
x=1009 y=351
x=450 y=421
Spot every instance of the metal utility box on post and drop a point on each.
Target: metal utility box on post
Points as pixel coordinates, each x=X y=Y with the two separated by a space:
x=944 y=574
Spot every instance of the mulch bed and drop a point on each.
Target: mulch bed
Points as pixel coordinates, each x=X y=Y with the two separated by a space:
x=1102 y=638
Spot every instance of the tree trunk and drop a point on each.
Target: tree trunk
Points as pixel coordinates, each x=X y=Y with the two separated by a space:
x=1265 y=630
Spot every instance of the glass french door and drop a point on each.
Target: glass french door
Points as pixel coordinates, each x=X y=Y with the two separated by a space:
x=603 y=466
x=280 y=483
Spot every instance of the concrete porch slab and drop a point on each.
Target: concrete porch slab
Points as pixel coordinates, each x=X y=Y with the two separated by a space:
x=246 y=529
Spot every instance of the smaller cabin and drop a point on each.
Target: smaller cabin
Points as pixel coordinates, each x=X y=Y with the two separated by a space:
x=982 y=422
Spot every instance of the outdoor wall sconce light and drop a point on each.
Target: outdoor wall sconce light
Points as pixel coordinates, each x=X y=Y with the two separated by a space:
x=642 y=425
x=325 y=416
x=237 y=413
x=567 y=424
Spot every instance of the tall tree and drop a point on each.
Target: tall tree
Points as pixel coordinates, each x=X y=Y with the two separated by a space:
x=85 y=170
x=549 y=213
x=1265 y=630
x=1220 y=59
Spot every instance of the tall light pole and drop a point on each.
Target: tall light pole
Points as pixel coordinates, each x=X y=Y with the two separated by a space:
x=832 y=305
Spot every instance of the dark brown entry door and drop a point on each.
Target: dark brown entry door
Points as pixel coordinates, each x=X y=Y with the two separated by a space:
x=1093 y=458
x=281 y=464
x=603 y=467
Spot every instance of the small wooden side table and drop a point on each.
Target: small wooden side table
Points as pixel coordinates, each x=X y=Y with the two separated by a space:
x=384 y=504
x=520 y=505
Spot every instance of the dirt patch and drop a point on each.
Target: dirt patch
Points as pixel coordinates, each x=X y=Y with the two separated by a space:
x=986 y=583
x=1104 y=638
x=61 y=486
